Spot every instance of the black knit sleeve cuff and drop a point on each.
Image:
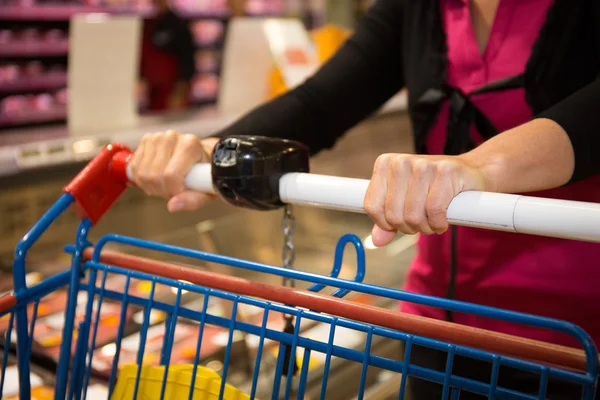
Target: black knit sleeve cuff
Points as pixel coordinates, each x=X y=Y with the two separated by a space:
x=579 y=116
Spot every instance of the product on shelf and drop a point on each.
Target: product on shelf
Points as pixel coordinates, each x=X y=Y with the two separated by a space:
x=29 y=35
x=42 y=102
x=205 y=86
x=62 y=96
x=6 y=36
x=207 y=60
x=54 y=35
x=9 y=73
x=13 y=105
x=207 y=32
x=33 y=69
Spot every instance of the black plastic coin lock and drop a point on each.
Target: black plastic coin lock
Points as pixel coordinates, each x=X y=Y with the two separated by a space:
x=246 y=169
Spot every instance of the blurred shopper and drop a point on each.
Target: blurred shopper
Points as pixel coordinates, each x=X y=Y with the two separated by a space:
x=473 y=69
x=167 y=64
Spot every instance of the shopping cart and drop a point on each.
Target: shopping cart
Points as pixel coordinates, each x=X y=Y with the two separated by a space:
x=265 y=174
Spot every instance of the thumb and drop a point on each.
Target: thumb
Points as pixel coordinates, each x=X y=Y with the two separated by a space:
x=382 y=237
x=188 y=201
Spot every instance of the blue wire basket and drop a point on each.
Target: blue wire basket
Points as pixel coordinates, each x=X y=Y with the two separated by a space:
x=287 y=344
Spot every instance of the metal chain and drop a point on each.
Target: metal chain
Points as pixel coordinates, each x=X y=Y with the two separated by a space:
x=288 y=253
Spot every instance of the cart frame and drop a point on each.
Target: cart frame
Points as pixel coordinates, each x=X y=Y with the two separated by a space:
x=75 y=362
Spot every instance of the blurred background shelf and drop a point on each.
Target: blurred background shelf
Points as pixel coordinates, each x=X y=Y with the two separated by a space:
x=62 y=12
x=44 y=82
x=37 y=48
x=55 y=114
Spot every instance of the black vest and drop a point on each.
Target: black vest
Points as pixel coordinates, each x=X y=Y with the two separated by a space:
x=565 y=57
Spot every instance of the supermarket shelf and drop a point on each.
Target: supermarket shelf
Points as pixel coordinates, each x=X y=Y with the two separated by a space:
x=216 y=70
x=63 y=13
x=198 y=14
x=24 y=49
x=44 y=82
x=60 y=13
x=37 y=151
x=216 y=45
x=204 y=100
x=57 y=114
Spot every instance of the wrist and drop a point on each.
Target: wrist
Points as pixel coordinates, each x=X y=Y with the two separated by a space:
x=493 y=169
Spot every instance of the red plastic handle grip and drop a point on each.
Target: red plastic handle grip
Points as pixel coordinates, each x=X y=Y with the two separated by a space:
x=101 y=182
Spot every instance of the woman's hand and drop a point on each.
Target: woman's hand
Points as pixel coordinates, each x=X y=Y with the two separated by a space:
x=410 y=193
x=162 y=161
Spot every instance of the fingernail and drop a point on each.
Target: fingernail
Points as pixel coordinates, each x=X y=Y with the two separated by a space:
x=176 y=206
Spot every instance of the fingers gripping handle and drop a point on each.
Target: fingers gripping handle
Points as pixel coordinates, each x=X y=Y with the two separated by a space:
x=198 y=179
x=265 y=174
x=495 y=211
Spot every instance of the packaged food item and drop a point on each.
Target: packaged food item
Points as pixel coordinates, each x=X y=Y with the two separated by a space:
x=205 y=86
x=33 y=69
x=207 y=60
x=207 y=32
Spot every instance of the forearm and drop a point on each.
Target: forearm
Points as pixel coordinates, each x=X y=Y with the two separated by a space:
x=535 y=156
x=354 y=83
x=558 y=147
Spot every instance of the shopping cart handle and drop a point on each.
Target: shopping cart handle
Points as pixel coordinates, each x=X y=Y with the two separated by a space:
x=264 y=173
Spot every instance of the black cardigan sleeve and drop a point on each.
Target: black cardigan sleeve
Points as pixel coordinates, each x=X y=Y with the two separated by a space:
x=579 y=116
x=355 y=82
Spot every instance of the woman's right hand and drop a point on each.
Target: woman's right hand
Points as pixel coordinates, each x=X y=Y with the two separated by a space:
x=161 y=162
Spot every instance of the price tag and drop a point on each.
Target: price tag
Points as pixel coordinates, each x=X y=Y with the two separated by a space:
x=292 y=50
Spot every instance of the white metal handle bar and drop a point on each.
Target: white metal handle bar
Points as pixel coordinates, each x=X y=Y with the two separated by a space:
x=496 y=211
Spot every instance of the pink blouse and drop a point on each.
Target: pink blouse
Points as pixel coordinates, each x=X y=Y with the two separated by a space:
x=543 y=276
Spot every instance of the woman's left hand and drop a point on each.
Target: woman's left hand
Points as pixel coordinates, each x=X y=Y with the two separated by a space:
x=411 y=193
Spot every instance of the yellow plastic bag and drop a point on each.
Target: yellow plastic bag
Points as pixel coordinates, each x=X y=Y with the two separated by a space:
x=179 y=378
x=327 y=40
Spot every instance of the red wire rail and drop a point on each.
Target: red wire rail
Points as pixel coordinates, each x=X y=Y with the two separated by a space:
x=499 y=343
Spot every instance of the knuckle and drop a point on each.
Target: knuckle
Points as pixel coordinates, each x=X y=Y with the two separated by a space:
x=372 y=208
x=171 y=134
x=401 y=162
x=394 y=218
x=421 y=166
x=151 y=178
x=436 y=211
x=446 y=168
x=413 y=218
x=382 y=162
x=190 y=142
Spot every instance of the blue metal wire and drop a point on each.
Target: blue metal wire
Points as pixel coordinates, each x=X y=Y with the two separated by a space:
x=292 y=361
x=168 y=345
x=452 y=384
x=143 y=335
x=452 y=305
x=124 y=297
x=20 y=287
x=365 y=366
x=353 y=355
x=95 y=333
x=64 y=359
x=494 y=378
x=36 y=305
x=557 y=373
x=406 y=362
x=328 y=354
x=304 y=372
x=261 y=343
x=202 y=320
x=232 y=324
x=6 y=349
x=449 y=364
x=339 y=258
